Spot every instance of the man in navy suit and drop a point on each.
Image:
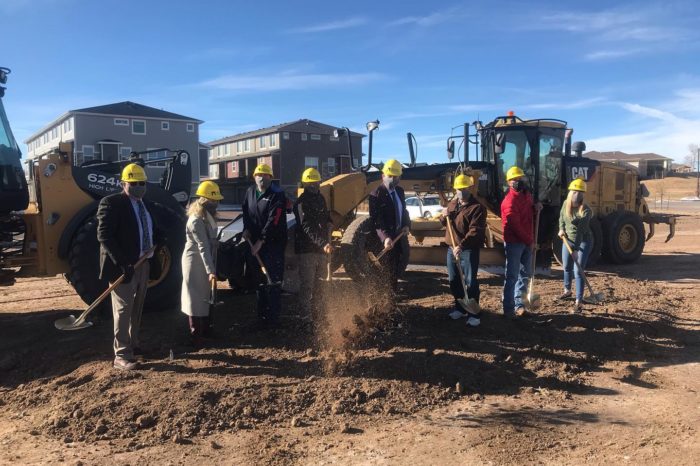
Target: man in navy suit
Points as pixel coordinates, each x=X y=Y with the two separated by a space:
x=387 y=210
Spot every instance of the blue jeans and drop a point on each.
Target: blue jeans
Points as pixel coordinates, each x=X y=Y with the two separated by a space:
x=518 y=265
x=469 y=261
x=269 y=297
x=582 y=253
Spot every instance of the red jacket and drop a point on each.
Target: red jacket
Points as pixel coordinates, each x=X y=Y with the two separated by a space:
x=517 y=217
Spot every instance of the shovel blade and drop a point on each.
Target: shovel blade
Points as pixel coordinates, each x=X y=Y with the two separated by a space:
x=534 y=301
x=470 y=305
x=71 y=323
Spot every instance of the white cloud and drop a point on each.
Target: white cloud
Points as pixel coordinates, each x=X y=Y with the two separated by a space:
x=330 y=26
x=610 y=54
x=429 y=20
x=668 y=134
x=289 y=81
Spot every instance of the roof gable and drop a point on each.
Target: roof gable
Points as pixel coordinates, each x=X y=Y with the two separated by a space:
x=133 y=109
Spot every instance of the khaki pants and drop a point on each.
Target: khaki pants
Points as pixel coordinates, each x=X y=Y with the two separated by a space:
x=127 y=307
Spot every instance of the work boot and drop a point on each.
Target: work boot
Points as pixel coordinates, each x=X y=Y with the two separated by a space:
x=565 y=295
x=473 y=321
x=578 y=307
x=123 y=364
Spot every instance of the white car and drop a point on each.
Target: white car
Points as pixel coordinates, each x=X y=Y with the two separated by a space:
x=426 y=207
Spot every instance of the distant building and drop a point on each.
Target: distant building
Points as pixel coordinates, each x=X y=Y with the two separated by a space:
x=681 y=168
x=289 y=148
x=648 y=165
x=111 y=132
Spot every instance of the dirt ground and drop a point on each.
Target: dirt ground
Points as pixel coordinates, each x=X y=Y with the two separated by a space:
x=618 y=384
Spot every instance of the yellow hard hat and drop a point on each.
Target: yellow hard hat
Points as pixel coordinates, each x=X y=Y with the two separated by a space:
x=134 y=172
x=463 y=182
x=262 y=169
x=209 y=190
x=392 y=168
x=310 y=175
x=578 y=185
x=514 y=172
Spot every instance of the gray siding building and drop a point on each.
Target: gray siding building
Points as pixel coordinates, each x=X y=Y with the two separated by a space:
x=648 y=165
x=289 y=148
x=111 y=132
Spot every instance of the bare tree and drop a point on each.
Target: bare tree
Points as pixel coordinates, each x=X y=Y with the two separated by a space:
x=691 y=158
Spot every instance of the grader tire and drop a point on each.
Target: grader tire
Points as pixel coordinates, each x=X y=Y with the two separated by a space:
x=623 y=237
x=359 y=239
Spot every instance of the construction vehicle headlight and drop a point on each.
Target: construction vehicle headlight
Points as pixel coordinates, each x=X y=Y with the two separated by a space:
x=49 y=170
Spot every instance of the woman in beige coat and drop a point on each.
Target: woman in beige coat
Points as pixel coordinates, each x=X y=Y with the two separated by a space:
x=198 y=259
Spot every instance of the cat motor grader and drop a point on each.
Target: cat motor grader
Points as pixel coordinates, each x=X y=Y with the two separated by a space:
x=48 y=225
x=543 y=149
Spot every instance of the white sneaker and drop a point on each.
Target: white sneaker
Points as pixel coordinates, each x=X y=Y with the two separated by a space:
x=455 y=314
x=473 y=322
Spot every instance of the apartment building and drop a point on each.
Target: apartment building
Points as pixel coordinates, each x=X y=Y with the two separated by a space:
x=289 y=148
x=111 y=132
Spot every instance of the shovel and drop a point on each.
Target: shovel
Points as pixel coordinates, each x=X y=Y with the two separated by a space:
x=533 y=298
x=594 y=298
x=71 y=323
x=468 y=303
x=267 y=275
x=375 y=259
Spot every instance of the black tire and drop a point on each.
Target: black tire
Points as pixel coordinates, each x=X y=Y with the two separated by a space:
x=163 y=291
x=84 y=261
x=623 y=237
x=594 y=256
x=597 y=231
x=359 y=239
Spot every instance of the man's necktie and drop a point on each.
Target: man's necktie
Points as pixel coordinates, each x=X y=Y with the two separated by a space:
x=145 y=234
x=397 y=207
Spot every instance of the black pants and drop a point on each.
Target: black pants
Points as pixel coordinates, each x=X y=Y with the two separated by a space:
x=269 y=296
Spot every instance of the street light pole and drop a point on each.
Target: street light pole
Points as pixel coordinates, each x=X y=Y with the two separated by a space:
x=697 y=173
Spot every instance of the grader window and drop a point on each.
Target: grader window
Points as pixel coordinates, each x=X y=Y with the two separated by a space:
x=551 y=152
x=516 y=152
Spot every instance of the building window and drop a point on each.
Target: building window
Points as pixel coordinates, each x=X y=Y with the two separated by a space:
x=190 y=127
x=88 y=153
x=214 y=171
x=67 y=125
x=303 y=136
x=138 y=127
x=124 y=152
x=155 y=156
x=273 y=140
x=239 y=147
x=54 y=133
x=262 y=142
x=315 y=137
x=311 y=162
x=121 y=122
x=232 y=170
x=246 y=145
x=165 y=125
x=331 y=166
x=285 y=135
x=226 y=149
x=265 y=160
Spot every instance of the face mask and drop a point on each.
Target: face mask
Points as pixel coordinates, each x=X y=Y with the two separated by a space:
x=577 y=198
x=135 y=190
x=311 y=188
x=211 y=207
x=262 y=182
x=463 y=195
x=518 y=185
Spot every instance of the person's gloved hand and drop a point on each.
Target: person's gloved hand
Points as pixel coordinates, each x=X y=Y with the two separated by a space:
x=128 y=272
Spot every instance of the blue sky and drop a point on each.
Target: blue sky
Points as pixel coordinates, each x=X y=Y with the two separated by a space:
x=625 y=75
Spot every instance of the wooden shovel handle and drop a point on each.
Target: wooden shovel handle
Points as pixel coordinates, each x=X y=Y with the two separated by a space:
x=116 y=283
x=393 y=242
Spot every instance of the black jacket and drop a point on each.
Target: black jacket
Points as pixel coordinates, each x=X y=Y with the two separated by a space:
x=312 y=220
x=265 y=217
x=119 y=236
x=382 y=211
